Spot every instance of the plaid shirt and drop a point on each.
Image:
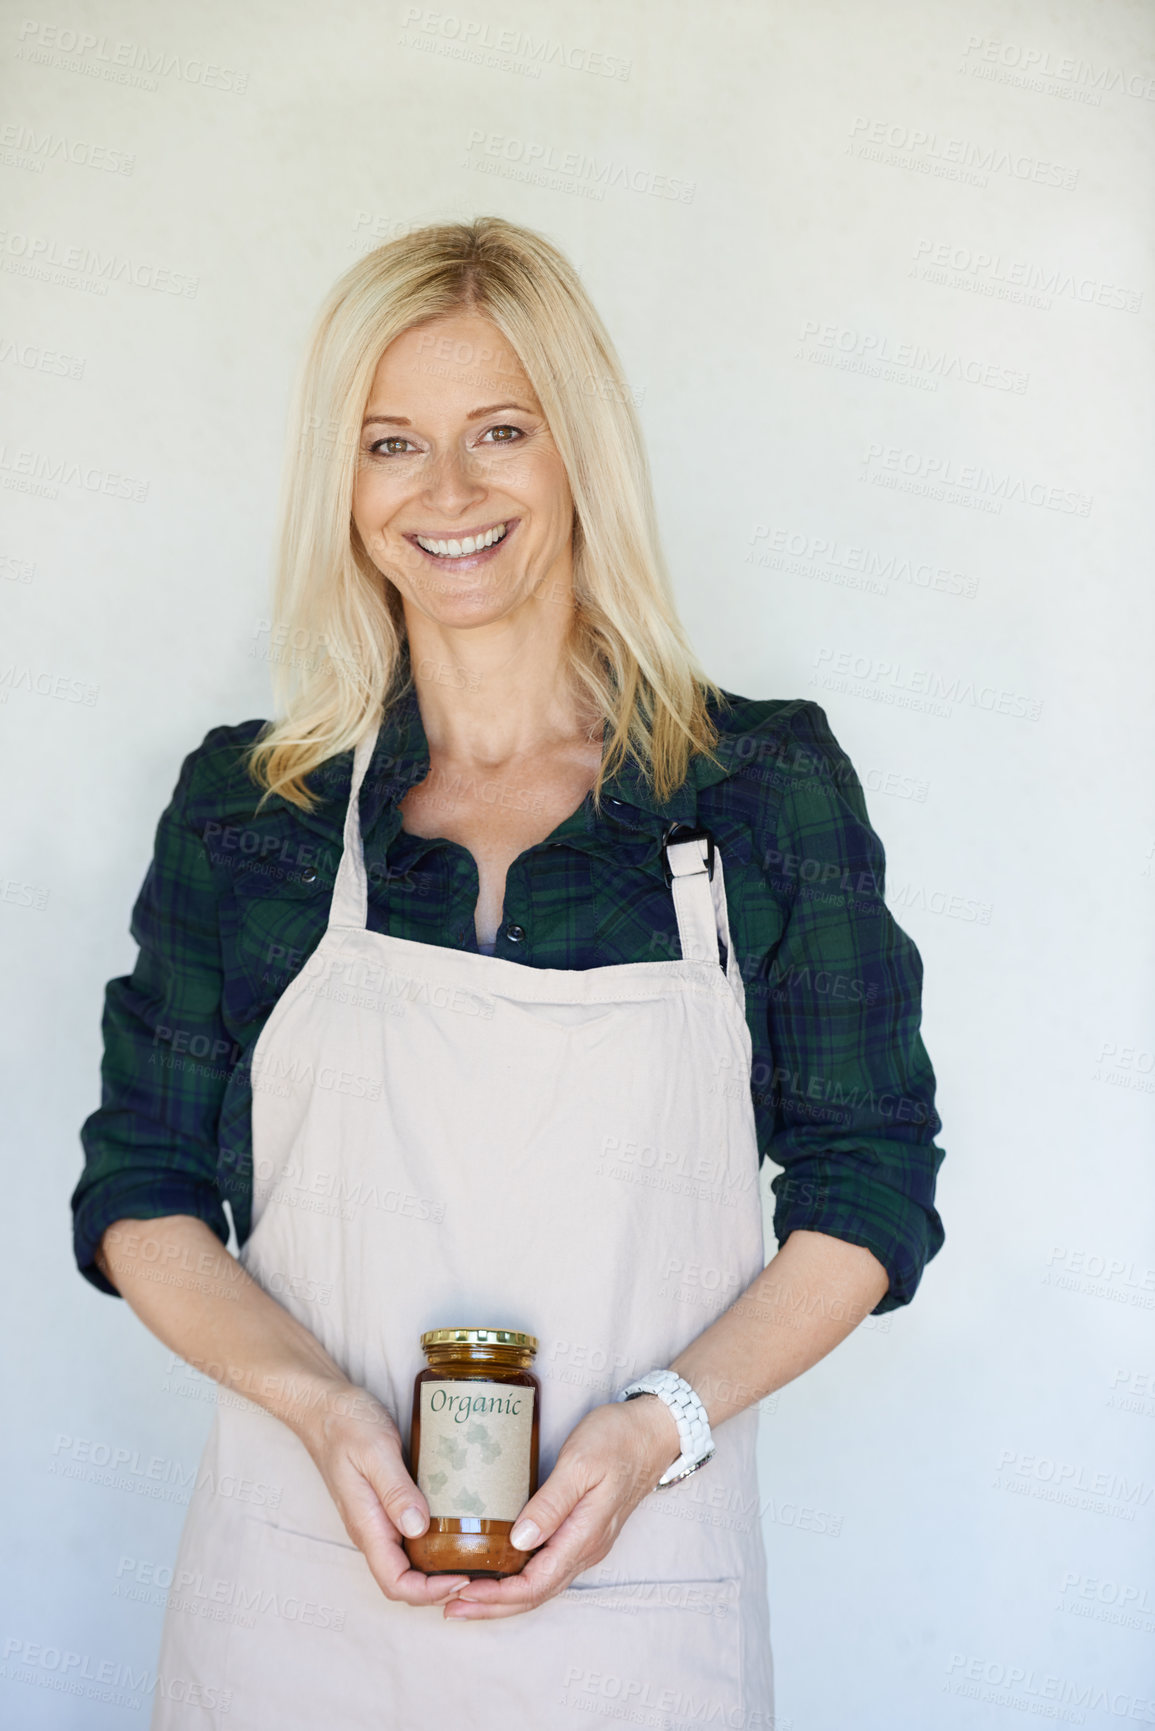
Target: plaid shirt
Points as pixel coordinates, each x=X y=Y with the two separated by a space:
x=233 y=904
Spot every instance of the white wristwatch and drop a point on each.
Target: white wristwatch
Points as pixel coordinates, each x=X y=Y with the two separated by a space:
x=690 y=1414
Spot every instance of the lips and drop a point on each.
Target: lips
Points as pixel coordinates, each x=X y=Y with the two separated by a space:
x=461 y=561
x=460 y=548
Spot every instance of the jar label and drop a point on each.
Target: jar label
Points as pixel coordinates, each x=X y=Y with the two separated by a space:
x=475 y=1448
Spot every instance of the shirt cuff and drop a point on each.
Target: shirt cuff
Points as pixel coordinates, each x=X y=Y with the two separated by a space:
x=817 y=1196
x=169 y=1194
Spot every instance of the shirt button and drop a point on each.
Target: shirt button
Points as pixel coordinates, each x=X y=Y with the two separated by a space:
x=515 y=933
x=309 y=875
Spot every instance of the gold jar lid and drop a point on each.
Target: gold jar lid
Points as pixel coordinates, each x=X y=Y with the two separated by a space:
x=478 y=1337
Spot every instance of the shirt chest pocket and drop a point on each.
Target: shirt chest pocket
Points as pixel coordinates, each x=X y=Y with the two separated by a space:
x=278 y=887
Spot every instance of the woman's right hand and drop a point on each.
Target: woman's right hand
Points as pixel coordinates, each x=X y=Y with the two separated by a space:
x=202 y=1303
x=356 y=1447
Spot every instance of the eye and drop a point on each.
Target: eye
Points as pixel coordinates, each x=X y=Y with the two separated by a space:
x=392 y=439
x=516 y=431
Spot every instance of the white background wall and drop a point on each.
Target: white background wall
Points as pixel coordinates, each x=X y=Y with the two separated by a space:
x=875 y=375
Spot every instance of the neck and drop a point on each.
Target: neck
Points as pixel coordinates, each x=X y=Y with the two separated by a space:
x=500 y=691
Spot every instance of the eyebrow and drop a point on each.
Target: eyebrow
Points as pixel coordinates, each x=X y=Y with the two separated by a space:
x=474 y=415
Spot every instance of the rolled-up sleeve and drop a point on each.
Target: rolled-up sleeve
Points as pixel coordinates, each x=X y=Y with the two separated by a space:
x=852 y=1089
x=150 y=1148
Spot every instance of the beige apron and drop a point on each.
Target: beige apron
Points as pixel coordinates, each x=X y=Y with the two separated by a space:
x=443 y=1137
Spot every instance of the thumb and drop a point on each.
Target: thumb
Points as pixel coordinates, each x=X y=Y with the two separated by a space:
x=405 y=1506
x=387 y=1476
x=549 y=1506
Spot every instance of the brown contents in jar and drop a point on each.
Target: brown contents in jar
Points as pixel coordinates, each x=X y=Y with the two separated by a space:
x=473 y=1447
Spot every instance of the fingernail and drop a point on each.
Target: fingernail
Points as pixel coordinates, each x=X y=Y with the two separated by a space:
x=525 y=1535
x=412 y=1522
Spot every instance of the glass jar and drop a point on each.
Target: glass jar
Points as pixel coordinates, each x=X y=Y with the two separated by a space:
x=473 y=1448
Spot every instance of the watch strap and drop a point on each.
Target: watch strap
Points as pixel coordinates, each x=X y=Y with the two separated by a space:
x=697 y=1444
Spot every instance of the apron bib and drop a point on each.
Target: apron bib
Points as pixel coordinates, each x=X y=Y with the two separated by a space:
x=442 y=1138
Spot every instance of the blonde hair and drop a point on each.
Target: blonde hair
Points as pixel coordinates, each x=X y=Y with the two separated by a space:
x=626 y=649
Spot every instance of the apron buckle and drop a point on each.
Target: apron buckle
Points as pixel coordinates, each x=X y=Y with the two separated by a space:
x=678 y=831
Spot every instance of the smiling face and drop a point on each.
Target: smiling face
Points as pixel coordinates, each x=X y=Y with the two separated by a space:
x=461 y=499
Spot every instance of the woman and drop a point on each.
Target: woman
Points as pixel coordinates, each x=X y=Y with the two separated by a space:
x=461 y=1018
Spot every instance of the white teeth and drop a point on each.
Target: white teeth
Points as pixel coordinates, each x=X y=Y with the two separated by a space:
x=463 y=548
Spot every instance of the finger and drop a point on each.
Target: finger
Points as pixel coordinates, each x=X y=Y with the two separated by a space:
x=374 y=1530
x=582 y=1540
x=399 y=1580
x=514 y=1594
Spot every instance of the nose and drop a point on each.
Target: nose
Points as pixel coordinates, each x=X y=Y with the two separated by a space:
x=453 y=483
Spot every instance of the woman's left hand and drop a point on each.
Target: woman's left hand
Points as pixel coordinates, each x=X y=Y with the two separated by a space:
x=611 y=1459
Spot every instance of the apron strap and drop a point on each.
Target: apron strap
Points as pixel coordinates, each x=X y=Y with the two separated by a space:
x=695 y=871
x=699 y=891
x=350 y=904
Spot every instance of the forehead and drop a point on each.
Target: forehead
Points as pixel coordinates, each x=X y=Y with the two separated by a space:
x=446 y=360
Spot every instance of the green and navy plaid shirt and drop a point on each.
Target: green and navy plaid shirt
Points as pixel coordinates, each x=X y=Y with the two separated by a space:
x=233 y=904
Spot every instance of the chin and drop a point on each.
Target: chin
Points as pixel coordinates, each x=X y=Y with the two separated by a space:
x=463 y=612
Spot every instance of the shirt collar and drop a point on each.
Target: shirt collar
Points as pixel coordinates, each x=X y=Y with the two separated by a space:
x=401 y=759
